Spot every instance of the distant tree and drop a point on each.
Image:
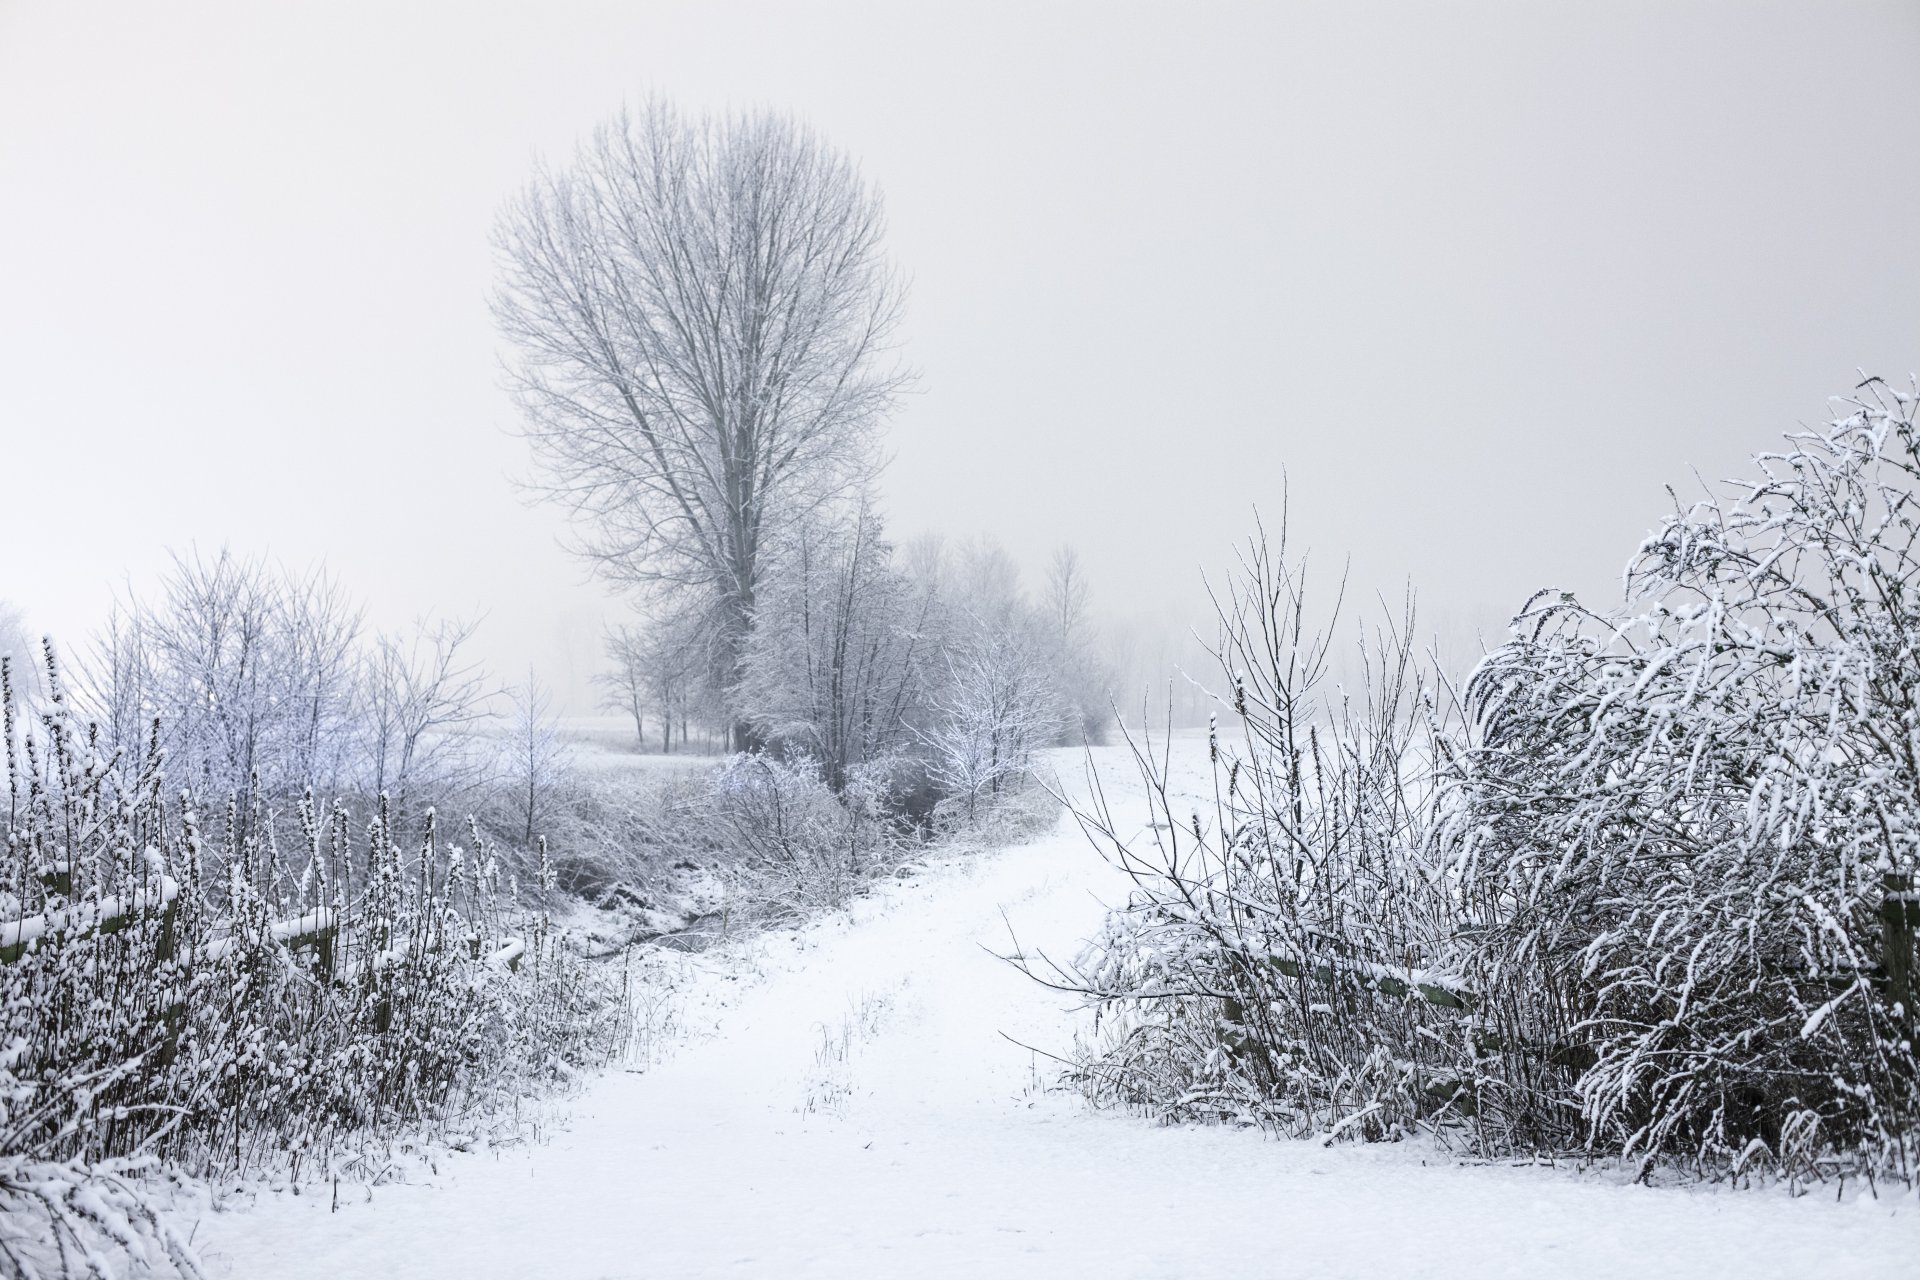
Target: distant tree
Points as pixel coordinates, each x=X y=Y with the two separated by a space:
x=833 y=670
x=701 y=311
x=624 y=686
x=997 y=709
x=422 y=702
x=674 y=656
x=1067 y=596
x=18 y=645
x=250 y=669
x=537 y=759
x=1082 y=675
x=983 y=583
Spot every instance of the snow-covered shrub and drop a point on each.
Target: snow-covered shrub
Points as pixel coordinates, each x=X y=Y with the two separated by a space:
x=1692 y=834
x=793 y=846
x=16 y=642
x=66 y=1217
x=1651 y=895
x=614 y=834
x=998 y=707
x=1282 y=957
x=203 y=994
x=789 y=847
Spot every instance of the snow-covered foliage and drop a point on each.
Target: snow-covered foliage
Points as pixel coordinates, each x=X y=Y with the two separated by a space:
x=265 y=684
x=16 y=642
x=181 y=986
x=997 y=708
x=1649 y=895
x=1696 y=827
x=72 y=1217
x=1281 y=959
x=836 y=667
x=793 y=845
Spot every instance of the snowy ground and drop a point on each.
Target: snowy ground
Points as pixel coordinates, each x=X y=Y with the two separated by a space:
x=846 y=1104
x=607 y=744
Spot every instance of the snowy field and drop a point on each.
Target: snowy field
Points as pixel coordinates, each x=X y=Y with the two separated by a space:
x=607 y=744
x=847 y=1102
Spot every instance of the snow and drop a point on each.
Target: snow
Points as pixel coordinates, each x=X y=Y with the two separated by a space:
x=603 y=744
x=87 y=915
x=319 y=920
x=849 y=1101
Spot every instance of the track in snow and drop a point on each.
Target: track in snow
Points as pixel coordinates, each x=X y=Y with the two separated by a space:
x=861 y=1113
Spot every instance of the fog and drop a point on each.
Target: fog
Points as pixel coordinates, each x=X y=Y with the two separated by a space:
x=1479 y=280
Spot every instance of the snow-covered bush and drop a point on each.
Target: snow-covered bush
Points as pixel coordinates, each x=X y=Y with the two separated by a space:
x=612 y=834
x=999 y=706
x=265 y=685
x=16 y=642
x=1281 y=959
x=1651 y=895
x=792 y=846
x=202 y=994
x=67 y=1217
x=1693 y=833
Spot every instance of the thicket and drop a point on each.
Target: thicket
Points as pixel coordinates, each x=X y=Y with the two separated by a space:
x=235 y=939
x=234 y=991
x=1642 y=887
x=892 y=697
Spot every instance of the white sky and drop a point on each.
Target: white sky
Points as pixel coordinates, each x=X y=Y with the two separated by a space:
x=1482 y=278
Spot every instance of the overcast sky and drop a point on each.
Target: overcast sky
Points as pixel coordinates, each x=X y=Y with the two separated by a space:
x=1480 y=278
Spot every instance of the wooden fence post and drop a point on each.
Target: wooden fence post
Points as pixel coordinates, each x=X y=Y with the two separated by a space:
x=1899 y=912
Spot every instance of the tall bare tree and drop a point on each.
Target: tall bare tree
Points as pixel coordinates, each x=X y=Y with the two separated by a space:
x=1082 y=675
x=1067 y=597
x=701 y=312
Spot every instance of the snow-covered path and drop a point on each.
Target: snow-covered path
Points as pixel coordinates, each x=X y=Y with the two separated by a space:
x=861 y=1113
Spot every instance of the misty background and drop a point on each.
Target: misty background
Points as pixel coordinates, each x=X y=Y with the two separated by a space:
x=1481 y=279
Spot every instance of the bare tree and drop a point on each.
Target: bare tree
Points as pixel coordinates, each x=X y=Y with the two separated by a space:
x=17 y=644
x=998 y=708
x=422 y=702
x=1067 y=596
x=250 y=669
x=537 y=759
x=625 y=687
x=662 y=666
x=1081 y=674
x=983 y=584
x=702 y=312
